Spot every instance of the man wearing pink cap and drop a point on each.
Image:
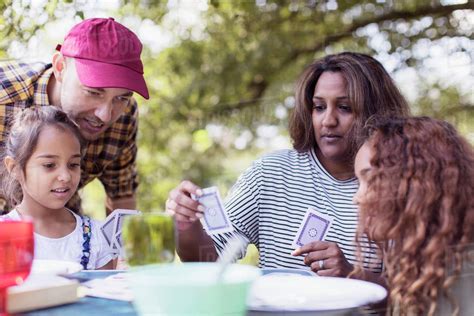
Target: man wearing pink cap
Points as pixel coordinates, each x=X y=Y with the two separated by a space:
x=92 y=78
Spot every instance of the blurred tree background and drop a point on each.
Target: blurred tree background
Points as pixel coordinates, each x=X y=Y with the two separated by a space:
x=221 y=73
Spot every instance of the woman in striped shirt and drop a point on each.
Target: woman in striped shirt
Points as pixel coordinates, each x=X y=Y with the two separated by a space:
x=335 y=96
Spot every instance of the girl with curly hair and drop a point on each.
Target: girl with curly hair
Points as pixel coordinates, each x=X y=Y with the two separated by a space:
x=416 y=203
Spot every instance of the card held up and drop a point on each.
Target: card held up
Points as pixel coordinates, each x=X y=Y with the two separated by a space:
x=314 y=227
x=215 y=220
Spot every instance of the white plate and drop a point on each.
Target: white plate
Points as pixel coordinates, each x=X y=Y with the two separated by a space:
x=292 y=292
x=285 y=271
x=54 y=267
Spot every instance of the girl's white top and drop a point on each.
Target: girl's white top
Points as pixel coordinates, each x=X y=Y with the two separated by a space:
x=69 y=247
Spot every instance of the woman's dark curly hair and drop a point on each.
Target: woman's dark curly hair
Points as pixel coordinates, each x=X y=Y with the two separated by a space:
x=420 y=198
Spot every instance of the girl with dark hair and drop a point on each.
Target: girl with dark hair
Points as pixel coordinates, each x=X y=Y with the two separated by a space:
x=416 y=203
x=334 y=98
x=40 y=173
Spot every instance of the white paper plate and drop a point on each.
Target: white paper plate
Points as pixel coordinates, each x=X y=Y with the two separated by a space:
x=292 y=292
x=285 y=271
x=54 y=267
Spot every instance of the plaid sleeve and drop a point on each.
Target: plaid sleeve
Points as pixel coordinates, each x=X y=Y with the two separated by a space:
x=120 y=176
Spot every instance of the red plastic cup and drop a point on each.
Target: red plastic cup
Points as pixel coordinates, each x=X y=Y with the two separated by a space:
x=16 y=256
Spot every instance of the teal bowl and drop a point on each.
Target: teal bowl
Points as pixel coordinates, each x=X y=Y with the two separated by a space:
x=191 y=289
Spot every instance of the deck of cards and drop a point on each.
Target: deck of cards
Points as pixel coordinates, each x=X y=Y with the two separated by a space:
x=111 y=229
x=314 y=227
x=215 y=220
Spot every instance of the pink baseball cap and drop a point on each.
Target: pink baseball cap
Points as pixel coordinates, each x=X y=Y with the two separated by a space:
x=107 y=55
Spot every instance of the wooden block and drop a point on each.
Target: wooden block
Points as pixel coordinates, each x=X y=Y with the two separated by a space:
x=41 y=291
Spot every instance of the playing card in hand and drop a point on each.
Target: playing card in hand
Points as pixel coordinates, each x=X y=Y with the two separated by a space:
x=215 y=220
x=112 y=228
x=314 y=227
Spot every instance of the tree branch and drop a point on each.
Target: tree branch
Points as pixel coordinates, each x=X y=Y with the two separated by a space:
x=460 y=108
x=392 y=15
x=332 y=38
x=348 y=32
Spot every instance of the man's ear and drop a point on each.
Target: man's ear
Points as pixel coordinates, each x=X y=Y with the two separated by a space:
x=59 y=66
x=11 y=166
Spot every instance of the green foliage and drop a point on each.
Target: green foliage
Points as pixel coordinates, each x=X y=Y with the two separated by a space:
x=251 y=257
x=93 y=197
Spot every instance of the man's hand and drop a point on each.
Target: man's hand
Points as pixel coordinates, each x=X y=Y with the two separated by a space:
x=325 y=258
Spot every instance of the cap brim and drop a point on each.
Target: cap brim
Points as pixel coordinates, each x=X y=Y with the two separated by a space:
x=102 y=75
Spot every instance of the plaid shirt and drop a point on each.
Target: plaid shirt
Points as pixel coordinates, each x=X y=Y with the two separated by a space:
x=111 y=158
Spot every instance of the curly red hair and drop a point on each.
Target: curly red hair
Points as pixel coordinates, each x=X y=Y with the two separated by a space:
x=420 y=198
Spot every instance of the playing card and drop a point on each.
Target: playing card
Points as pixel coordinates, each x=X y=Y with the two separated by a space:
x=107 y=229
x=118 y=240
x=215 y=220
x=112 y=228
x=314 y=227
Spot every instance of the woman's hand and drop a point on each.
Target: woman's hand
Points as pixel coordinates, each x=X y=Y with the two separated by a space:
x=325 y=258
x=184 y=209
x=193 y=243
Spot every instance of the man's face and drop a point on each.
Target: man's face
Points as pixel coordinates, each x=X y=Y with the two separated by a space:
x=92 y=109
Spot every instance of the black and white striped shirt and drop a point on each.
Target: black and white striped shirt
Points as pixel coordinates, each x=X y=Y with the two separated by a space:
x=268 y=203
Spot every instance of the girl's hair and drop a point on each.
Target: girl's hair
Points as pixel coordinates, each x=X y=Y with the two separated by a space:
x=420 y=197
x=370 y=89
x=22 y=140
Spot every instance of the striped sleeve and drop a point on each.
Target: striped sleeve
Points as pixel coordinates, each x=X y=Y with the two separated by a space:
x=242 y=204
